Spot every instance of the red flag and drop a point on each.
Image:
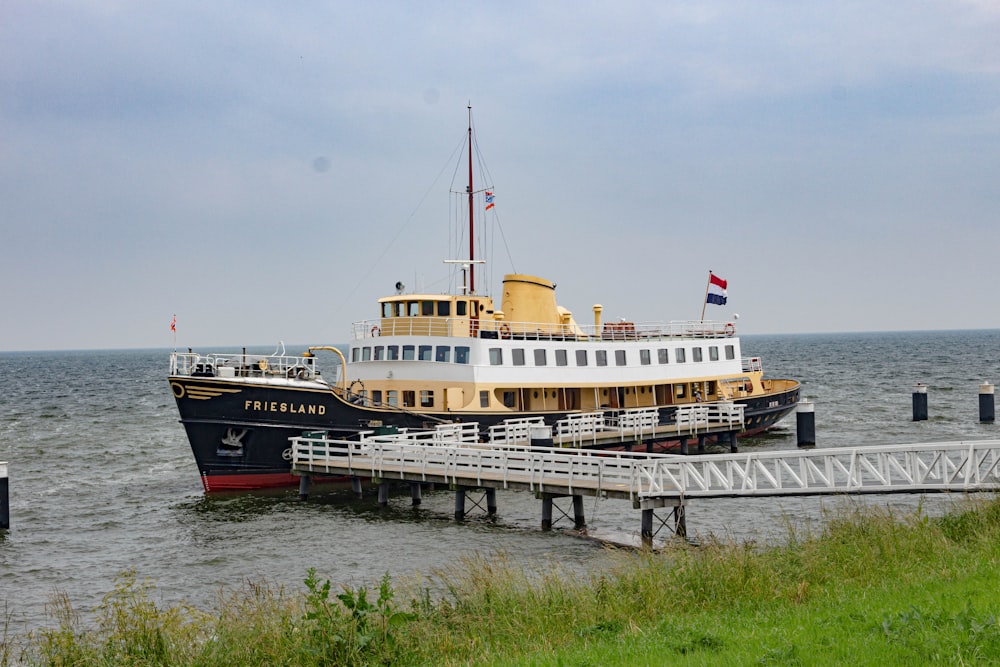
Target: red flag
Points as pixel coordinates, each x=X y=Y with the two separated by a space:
x=173 y=324
x=716 y=280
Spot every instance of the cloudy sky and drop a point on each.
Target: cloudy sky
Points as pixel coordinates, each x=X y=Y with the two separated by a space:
x=266 y=171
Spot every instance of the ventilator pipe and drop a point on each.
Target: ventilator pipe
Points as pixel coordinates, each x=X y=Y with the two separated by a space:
x=343 y=362
x=598 y=309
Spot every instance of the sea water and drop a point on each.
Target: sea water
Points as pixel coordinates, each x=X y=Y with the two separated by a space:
x=102 y=479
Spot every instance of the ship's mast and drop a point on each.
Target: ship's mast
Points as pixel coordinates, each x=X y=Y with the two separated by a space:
x=472 y=229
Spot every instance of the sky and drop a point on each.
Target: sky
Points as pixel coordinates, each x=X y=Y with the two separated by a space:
x=266 y=171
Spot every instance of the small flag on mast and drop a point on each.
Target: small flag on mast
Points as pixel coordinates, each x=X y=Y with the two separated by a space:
x=173 y=324
x=716 y=290
x=489 y=200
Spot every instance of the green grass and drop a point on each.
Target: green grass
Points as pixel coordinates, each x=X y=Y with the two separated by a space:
x=873 y=588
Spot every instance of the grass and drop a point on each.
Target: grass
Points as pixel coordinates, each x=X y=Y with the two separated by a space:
x=873 y=588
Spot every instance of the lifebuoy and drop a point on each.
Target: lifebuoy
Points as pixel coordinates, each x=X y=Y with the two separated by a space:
x=376 y=331
x=730 y=329
x=505 y=330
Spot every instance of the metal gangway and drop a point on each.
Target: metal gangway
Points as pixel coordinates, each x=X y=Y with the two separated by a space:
x=653 y=481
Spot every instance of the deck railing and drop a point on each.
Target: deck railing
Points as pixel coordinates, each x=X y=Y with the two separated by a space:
x=243 y=365
x=609 y=331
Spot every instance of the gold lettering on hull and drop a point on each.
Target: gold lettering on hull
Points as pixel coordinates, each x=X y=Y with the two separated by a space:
x=288 y=408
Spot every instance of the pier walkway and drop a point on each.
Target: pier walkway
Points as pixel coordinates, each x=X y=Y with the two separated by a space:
x=450 y=455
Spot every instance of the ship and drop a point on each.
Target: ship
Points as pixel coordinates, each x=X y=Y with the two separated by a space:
x=425 y=359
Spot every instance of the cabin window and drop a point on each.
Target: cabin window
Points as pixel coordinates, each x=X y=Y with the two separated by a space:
x=713 y=353
x=518 y=354
x=379 y=353
x=386 y=310
x=426 y=398
x=509 y=399
x=426 y=308
x=392 y=352
x=409 y=399
x=662 y=356
x=424 y=353
x=443 y=353
x=376 y=397
x=619 y=357
x=695 y=354
x=461 y=307
x=644 y=357
x=366 y=354
x=561 y=358
x=392 y=398
x=730 y=352
x=496 y=356
x=602 y=357
x=401 y=309
x=461 y=354
x=355 y=354
x=680 y=390
x=484 y=399
x=413 y=308
x=539 y=357
x=444 y=308
x=408 y=353
x=679 y=355
x=581 y=357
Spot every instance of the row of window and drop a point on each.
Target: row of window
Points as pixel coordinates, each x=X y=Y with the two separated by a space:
x=411 y=353
x=428 y=308
x=541 y=356
x=601 y=356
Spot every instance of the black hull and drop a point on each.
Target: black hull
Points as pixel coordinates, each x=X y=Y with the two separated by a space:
x=239 y=432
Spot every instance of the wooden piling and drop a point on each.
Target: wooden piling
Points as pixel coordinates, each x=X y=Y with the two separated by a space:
x=579 y=521
x=415 y=493
x=383 y=494
x=304 y=482
x=986 y=407
x=920 y=402
x=546 y=512
x=491 y=502
x=356 y=486
x=459 y=503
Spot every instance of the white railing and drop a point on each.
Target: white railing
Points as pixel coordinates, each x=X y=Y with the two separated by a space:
x=954 y=466
x=578 y=429
x=243 y=365
x=752 y=365
x=697 y=417
x=443 y=434
x=513 y=431
x=559 y=470
x=919 y=468
x=464 y=327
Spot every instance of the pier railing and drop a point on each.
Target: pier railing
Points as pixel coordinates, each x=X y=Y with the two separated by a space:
x=917 y=468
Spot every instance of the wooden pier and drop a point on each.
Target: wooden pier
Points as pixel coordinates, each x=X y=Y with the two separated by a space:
x=451 y=455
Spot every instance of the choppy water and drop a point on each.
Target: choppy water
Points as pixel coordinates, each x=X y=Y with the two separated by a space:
x=102 y=480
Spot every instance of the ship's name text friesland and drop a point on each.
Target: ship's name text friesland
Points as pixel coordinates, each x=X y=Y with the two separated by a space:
x=275 y=406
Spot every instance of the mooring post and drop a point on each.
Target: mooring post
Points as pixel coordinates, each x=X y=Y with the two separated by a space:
x=304 y=481
x=701 y=442
x=986 y=413
x=415 y=493
x=546 y=512
x=805 y=424
x=491 y=502
x=356 y=486
x=579 y=522
x=684 y=445
x=383 y=494
x=4 y=498
x=647 y=528
x=732 y=442
x=919 y=402
x=459 y=503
